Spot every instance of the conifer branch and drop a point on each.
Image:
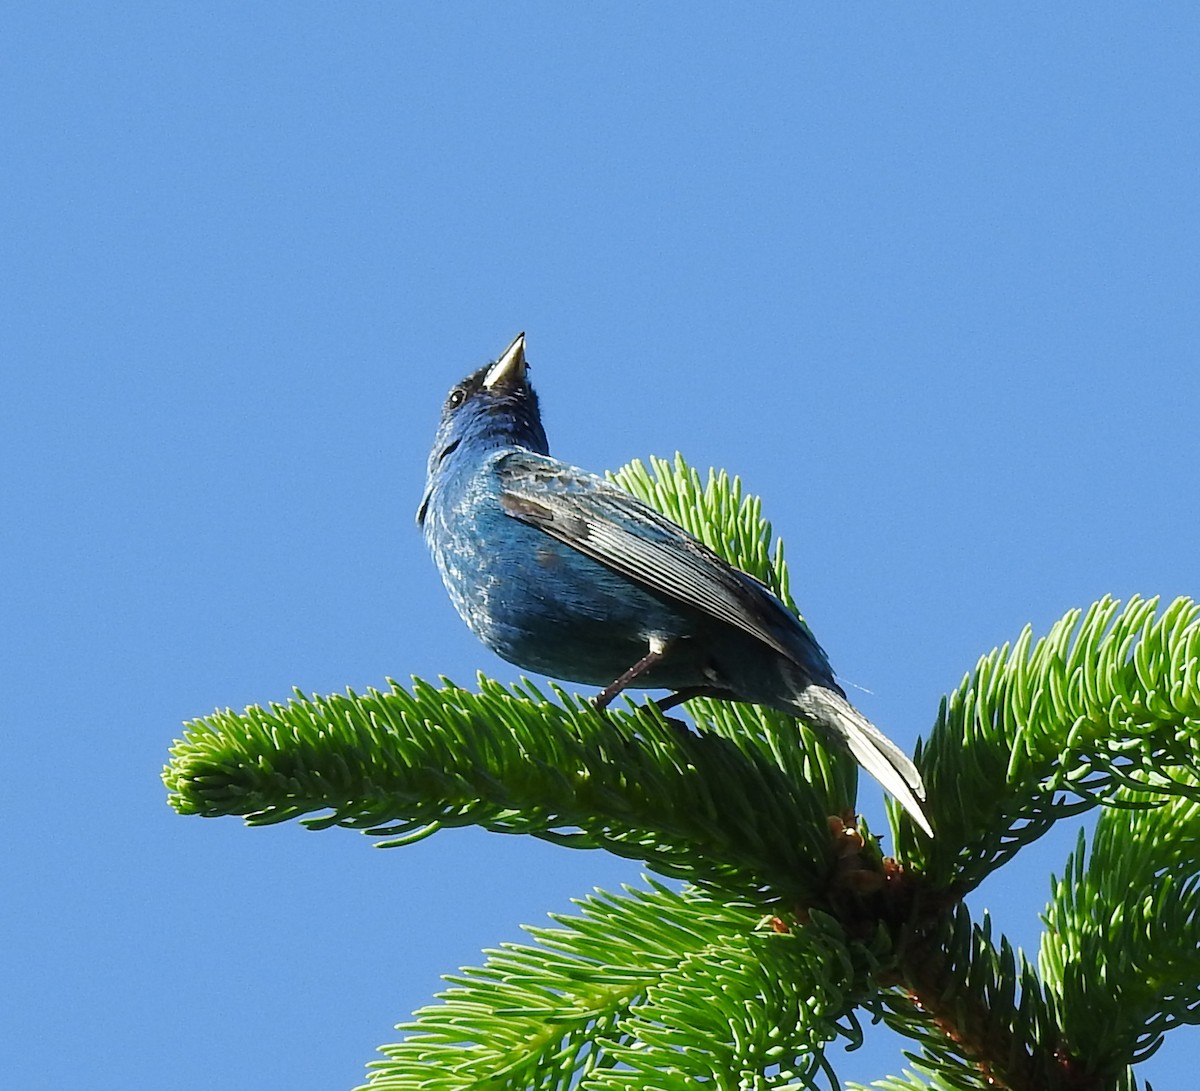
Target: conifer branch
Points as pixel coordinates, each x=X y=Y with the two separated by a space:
x=401 y=765
x=1107 y=700
x=646 y=989
x=1121 y=949
x=977 y=1010
x=665 y=989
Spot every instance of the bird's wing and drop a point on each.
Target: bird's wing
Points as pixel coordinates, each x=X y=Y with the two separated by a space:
x=605 y=523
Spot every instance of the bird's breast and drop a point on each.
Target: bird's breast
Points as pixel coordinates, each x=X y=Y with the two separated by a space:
x=543 y=605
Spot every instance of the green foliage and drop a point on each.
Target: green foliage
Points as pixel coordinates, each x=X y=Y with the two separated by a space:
x=1121 y=949
x=786 y=928
x=402 y=765
x=652 y=989
x=1042 y=731
x=992 y=998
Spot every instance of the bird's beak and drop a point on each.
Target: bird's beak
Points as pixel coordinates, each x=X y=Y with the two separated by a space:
x=508 y=372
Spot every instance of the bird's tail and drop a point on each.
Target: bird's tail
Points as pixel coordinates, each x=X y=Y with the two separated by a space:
x=874 y=751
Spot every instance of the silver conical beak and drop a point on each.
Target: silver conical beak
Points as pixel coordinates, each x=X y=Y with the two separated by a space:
x=509 y=370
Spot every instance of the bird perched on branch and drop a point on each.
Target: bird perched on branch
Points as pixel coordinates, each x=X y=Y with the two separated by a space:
x=560 y=572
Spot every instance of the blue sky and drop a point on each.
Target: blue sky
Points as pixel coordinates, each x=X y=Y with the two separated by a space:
x=927 y=279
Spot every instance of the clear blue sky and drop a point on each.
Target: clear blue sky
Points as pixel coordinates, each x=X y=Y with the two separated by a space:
x=927 y=279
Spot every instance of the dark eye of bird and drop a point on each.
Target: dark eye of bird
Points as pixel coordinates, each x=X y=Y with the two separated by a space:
x=457 y=396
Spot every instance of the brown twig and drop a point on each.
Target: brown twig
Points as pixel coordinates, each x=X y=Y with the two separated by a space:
x=869 y=890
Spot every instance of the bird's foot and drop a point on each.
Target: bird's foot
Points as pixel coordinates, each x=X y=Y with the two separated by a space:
x=605 y=697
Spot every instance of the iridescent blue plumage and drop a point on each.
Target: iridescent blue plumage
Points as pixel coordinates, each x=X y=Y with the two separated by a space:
x=562 y=573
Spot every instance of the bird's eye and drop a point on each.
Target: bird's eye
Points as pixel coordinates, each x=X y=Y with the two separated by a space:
x=457 y=396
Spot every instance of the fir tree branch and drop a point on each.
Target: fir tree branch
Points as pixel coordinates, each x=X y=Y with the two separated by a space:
x=1121 y=950
x=1105 y=709
x=977 y=1010
x=649 y=989
x=401 y=765
x=1042 y=731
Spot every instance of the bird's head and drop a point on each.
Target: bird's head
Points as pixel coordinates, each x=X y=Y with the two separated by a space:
x=492 y=407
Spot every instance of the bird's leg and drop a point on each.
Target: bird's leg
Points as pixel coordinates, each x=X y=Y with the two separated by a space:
x=687 y=694
x=604 y=698
x=664 y=703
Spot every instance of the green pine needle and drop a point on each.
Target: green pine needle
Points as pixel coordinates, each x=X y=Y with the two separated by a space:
x=652 y=988
x=659 y=989
x=1122 y=942
x=1105 y=701
x=403 y=764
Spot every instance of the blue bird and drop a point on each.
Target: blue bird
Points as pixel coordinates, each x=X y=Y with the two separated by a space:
x=562 y=573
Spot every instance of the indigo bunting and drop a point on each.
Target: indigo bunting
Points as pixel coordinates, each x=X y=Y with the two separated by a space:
x=562 y=573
